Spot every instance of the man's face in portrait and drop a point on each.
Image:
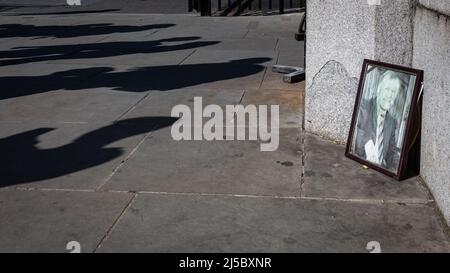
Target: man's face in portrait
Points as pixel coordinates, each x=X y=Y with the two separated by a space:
x=389 y=89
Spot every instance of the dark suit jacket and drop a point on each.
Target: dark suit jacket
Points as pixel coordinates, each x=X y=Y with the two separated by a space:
x=367 y=129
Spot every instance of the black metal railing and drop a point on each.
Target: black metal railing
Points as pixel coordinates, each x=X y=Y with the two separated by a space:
x=240 y=7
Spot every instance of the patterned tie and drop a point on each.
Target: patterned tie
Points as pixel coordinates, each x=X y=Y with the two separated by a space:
x=380 y=137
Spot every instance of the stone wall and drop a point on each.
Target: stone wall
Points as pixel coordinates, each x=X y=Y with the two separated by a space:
x=342 y=33
x=432 y=54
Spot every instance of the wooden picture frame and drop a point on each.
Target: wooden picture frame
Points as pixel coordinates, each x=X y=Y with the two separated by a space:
x=386 y=117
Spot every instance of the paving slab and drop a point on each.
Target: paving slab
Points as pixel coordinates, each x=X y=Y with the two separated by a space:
x=221 y=76
x=266 y=57
x=290 y=45
x=57 y=29
x=115 y=6
x=131 y=37
x=271 y=25
x=227 y=167
x=177 y=223
x=126 y=53
x=26 y=50
x=253 y=44
x=329 y=174
x=240 y=74
x=67 y=18
x=68 y=155
x=62 y=93
x=290 y=103
x=39 y=221
x=209 y=28
x=13 y=45
x=274 y=81
x=294 y=57
x=136 y=19
x=4 y=41
x=15 y=18
x=103 y=48
x=161 y=103
x=206 y=34
x=54 y=31
x=23 y=80
x=76 y=106
x=124 y=56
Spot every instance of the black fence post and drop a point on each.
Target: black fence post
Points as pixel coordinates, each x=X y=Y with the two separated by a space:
x=281 y=6
x=302 y=3
x=306 y=17
x=226 y=6
x=205 y=7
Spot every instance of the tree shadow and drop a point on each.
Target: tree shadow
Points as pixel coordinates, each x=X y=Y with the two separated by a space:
x=71 y=31
x=155 y=78
x=21 y=55
x=23 y=162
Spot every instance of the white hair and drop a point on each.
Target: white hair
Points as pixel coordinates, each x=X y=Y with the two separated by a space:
x=399 y=101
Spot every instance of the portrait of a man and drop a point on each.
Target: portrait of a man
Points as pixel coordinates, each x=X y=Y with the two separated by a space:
x=381 y=118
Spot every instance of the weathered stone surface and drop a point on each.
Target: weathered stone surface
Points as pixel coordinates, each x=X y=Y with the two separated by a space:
x=340 y=31
x=329 y=102
x=335 y=51
x=432 y=54
x=436 y=5
x=394 y=32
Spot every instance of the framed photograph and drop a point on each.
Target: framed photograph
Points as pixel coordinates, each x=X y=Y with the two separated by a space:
x=385 y=120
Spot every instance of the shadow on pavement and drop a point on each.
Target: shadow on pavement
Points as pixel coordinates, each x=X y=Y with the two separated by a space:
x=65 y=12
x=70 y=31
x=9 y=7
x=35 y=7
x=23 y=55
x=23 y=162
x=159 y=78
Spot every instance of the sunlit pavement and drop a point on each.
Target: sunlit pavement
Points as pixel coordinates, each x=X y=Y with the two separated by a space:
x=87 y=154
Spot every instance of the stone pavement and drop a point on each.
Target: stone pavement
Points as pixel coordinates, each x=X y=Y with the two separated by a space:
x=87 y=155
